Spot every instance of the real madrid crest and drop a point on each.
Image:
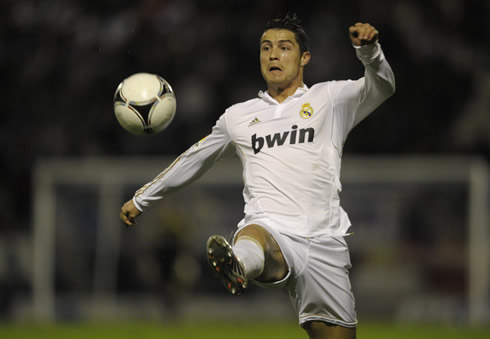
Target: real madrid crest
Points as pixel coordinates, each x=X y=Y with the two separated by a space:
x=306 y=111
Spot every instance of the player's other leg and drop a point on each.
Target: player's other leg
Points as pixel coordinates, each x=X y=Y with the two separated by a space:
x=323 y=330
x=255 y=255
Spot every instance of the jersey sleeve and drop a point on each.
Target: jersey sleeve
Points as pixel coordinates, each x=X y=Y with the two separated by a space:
x=188 y=167
x=355 y=100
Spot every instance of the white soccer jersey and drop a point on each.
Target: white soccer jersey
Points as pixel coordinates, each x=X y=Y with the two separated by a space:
x=291 y=151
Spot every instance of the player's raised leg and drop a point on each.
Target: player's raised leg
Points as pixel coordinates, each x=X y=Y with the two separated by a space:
x=275 y=267
x=323 y=330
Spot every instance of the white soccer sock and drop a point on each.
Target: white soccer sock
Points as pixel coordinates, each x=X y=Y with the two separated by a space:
x=251 y=255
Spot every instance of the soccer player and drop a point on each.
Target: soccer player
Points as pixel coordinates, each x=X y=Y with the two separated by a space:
x=289 y=140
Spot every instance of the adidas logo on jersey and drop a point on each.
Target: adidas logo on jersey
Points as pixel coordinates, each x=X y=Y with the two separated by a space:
x=294 y=136
x=254 y=122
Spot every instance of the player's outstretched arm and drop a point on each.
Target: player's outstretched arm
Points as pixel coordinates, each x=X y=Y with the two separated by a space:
x=357 y=99
x=363 y=34
x=129 y=212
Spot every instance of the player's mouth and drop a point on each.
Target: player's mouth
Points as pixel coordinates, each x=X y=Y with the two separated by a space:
x=275 y=69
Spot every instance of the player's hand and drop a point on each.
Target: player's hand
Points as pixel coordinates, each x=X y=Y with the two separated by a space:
x=363 y=34
x=129 y=212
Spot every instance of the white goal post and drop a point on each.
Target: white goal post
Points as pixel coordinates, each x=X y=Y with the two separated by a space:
x=109 y=175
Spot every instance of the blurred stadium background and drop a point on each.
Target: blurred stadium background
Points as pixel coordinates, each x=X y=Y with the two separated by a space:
x=415 y=173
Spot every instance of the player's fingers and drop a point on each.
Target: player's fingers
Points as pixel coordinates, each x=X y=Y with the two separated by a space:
x=361 y=33
x=125 y=218
x=364 y=31
x=129 y=222
x=353 y=31
x=371 y=34
x=370 y=39
x=367 y=34
x=354 y=36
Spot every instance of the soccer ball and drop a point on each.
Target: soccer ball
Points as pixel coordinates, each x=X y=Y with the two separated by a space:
x=144 y=104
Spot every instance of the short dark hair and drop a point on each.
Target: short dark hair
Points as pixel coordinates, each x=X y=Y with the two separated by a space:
x=292 y=23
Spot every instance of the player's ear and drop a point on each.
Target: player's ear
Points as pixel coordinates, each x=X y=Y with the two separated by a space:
x=305 y=58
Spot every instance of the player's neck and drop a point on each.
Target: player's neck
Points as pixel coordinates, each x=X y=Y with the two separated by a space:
x=280 y=94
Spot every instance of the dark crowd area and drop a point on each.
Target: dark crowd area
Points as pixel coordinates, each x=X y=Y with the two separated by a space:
x=61 y=62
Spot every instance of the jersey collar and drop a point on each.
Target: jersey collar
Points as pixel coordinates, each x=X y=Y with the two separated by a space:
x=264 y=95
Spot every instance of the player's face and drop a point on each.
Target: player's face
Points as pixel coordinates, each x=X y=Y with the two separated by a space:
x=281 y=62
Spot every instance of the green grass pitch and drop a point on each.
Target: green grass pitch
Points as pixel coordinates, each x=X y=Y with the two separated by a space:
x=235 y=330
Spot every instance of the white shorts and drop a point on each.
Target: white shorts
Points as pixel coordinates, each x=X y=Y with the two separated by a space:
x=318 y=278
